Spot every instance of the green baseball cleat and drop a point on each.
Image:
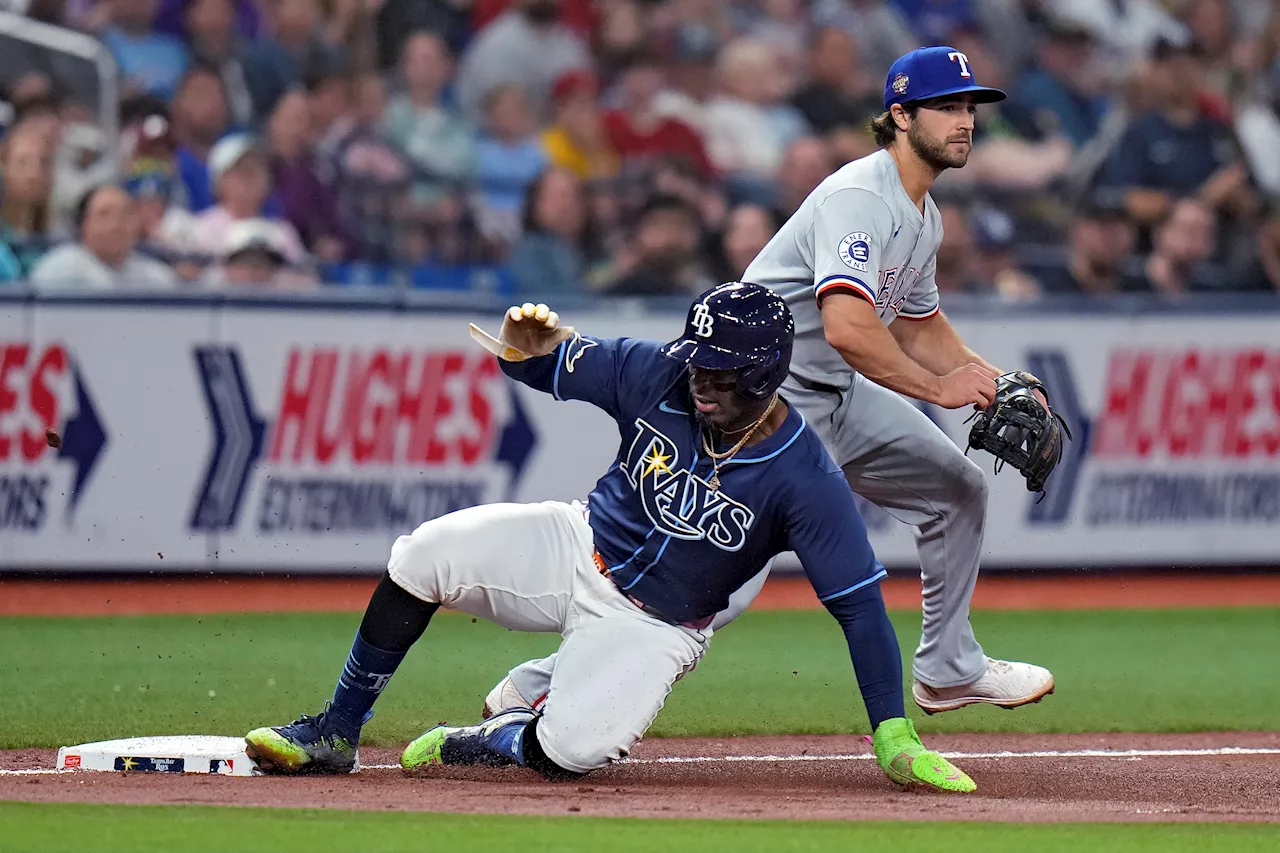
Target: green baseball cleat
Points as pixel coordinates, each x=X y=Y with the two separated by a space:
x=307 y=745
x=463 y=745
x=904 y=759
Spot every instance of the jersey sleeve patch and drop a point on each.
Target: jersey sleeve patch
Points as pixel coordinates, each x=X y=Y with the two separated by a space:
x=855 y=250
x=843 y=284
x=575 y=349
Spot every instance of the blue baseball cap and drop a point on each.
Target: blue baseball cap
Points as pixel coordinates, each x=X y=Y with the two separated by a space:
x=932 y=72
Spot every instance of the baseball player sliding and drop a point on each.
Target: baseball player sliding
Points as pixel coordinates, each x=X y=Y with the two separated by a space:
x=716 y=473
x=856 y=265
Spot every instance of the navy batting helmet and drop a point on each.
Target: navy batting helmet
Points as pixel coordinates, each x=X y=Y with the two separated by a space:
x=743 y=327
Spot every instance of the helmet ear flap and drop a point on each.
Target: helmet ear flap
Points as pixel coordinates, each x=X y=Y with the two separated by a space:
x=761 y=380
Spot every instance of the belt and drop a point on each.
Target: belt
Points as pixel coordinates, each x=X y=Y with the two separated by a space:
x=697 y=625
x=820 y=387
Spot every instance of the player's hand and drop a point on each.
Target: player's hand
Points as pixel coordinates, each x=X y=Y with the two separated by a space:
x=528 y=331
x=971 y=384
x=534 y=329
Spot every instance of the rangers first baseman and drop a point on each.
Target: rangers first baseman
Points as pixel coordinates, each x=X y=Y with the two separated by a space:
x=715 y=474
x=856 y=265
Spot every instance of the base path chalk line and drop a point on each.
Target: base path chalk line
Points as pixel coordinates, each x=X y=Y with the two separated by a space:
x=728 y=759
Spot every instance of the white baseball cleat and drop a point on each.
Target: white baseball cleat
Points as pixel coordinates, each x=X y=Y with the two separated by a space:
x=1005 y=684
x=504 y=697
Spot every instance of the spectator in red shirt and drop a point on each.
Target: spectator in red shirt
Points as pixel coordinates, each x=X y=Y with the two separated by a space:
x=638 y=132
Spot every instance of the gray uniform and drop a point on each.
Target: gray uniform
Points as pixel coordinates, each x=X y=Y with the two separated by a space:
x=859 y=233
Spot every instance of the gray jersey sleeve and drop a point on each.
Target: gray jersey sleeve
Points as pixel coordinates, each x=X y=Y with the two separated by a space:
x=922 y=301
x=850 y=229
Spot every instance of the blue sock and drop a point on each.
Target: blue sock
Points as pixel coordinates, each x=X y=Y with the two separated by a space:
x=508 y=741
x=365 y=676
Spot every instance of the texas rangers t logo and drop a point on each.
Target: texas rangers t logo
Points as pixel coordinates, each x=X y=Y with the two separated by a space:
x=702 y=320
x=957 y=56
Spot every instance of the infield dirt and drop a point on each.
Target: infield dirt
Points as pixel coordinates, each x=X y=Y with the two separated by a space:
x=815 y=779
x=1012 y=788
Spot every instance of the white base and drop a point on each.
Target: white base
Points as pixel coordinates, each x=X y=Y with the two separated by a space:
x=224 y=756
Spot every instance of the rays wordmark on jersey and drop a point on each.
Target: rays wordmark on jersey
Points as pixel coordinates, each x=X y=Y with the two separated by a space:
x=679 y=503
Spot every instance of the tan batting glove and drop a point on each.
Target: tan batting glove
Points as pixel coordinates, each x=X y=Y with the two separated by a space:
x=528 y=331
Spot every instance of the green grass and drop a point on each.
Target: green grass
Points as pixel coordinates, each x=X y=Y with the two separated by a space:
x=108 y=829
x=68 y=681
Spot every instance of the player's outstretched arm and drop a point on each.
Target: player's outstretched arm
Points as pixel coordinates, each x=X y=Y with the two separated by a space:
x=534 y=349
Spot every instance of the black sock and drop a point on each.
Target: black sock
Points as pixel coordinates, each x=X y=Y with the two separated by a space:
x=395 y=619
x=393 y=622
x=533 y=757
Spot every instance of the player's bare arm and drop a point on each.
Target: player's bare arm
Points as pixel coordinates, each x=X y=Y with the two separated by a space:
x=933 y=343
x=855 y=330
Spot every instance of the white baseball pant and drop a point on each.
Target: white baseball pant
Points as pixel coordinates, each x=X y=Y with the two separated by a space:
x=531 y=567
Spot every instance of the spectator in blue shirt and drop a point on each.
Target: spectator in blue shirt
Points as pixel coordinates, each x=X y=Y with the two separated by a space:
x=1177 y=150
x=154 y=62
x=201 y=117
x=1057 y=97
x=509 y=159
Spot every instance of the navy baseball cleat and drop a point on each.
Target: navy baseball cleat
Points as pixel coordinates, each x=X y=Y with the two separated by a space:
x=464 y=744
x=307 y=745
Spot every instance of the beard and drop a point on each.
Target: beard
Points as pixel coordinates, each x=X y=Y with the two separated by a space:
x=935 y=153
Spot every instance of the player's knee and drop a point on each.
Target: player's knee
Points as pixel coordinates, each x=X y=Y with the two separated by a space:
x=970 y=482
x=578 y=749
x=420 y=561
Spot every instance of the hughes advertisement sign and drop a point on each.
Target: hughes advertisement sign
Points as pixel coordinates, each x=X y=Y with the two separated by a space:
x=206 y=436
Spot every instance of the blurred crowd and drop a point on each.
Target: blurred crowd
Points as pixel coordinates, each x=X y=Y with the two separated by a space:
x=638 y=147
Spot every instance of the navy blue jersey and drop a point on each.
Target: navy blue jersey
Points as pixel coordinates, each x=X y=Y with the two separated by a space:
x=669 y=539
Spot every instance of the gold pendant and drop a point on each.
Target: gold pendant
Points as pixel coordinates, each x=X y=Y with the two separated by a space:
x=714 y=482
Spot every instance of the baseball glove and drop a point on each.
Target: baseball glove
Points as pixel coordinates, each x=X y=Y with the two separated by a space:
x=1020 y=430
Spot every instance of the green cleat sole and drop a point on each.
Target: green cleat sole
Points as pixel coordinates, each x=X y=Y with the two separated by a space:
x=273 y=752
x=425 y=750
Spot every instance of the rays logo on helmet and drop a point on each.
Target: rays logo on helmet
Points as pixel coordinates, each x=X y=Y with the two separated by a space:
x=703 y=322
x=855 y=250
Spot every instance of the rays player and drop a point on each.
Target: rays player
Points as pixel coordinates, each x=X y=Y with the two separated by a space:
x=856 y=265
x=715 y=474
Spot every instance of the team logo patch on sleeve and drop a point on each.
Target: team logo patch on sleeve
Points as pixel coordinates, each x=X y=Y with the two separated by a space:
x=855 y=250
x=574 y=351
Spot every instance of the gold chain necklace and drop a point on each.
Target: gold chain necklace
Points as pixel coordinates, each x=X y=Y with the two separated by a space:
x=717 y=458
